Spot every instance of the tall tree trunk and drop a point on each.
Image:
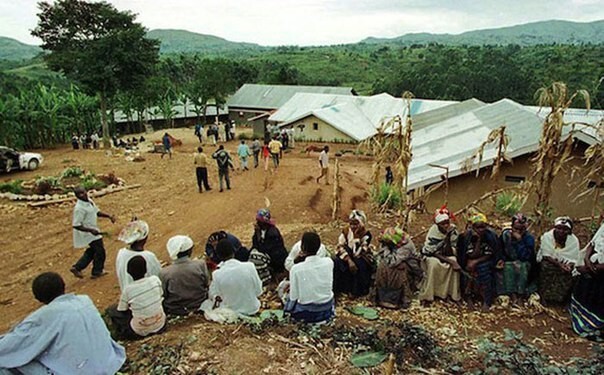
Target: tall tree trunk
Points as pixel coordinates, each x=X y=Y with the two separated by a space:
x=106 y=142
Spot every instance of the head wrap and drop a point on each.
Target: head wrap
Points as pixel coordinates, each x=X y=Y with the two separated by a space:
x=565 y=221
x=358 y=215
x=264 y=216
x=135 y=231
x=478 y=218
x=520 y=219
x=394 y=235
x=217 y=236
x=443 y=214
x=178 y=244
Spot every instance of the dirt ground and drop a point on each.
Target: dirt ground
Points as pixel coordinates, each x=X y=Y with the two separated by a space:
x=38 y=240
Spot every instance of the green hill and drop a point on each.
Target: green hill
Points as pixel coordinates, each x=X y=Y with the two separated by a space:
x=182 y=41
x=13 y=50
x=544 y=32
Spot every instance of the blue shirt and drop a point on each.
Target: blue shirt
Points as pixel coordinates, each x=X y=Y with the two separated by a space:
x=523 y=249
x=243 y=150
x=68 y=336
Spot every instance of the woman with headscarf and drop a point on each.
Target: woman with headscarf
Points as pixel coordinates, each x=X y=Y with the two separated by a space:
x=439 y=260
x=518 y=257
x=398 y=272
x=135 y=236
x=268 y=249
x=558 y=253
x=354 y=262
x=587 y=302
x=478 y=252
x=212 y=259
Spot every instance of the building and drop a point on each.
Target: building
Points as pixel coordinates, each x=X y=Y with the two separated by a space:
x=253 y=103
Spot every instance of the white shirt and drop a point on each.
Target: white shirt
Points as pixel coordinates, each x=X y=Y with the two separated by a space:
x=324 y=159
x=144 y=298
x=121 y=265
x=312 y=280
x=238 y=285
x=567 y=254
x=293 y=254
x=85 y=214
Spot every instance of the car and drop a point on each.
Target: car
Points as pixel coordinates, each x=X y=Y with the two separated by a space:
x=10 y=160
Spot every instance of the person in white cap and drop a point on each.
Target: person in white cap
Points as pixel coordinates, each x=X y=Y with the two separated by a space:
x=135 y=236
x=442 y=278
x=186 y=281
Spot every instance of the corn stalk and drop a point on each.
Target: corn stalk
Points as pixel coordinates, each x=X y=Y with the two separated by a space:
x=554 y=152
x=593 y=180
x=496 y=135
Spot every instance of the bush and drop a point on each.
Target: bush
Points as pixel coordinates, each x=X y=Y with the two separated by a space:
x=90 y=182
x=508 y=204
x=45 y=185
x=72 y=172
x=383 y=192
x=11 y=187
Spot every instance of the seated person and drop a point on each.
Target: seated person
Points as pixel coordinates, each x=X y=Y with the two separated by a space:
x=440 y=260
x=557 y=255
x=354 y=262
x=235 y=284
x=135 y=236
x=139 y=312
x=519 y=262
x=294 y=255
x=587 y=302
x=141 y=140
x=311 y=284
x=399 y=270
x=267 y=240
x=478 y=255
x=185 y=282
x=241 y=252
x=65 y=336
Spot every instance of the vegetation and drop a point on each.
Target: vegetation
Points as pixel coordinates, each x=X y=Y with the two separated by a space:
x=14 y=187
x=508 y=203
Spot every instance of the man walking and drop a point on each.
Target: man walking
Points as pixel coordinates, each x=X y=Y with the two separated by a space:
x=256 y=151
x=201 y=169
x=223 y=159
x=167 y=145
x=324 y=163
x=275 y=148
x=86 y=233
x=243 y=151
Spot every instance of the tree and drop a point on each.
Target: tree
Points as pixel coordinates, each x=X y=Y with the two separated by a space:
x=101 y=48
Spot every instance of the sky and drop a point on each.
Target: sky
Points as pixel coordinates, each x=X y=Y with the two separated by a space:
x=320 y=22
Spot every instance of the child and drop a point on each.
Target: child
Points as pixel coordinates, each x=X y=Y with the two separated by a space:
x=389 y=175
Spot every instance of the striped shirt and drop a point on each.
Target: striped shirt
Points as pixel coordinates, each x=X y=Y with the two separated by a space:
x=261 y=261
x=144 y=298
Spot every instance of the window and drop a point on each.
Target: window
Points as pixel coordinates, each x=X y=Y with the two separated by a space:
x=515 y=179
x=315 y=126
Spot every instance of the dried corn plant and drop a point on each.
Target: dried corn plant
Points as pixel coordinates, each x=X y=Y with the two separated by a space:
x=554 y=151
x=593 y=180
x=502 y=140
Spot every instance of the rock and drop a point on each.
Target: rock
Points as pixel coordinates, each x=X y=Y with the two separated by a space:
x=55 y=196
x=47 y=197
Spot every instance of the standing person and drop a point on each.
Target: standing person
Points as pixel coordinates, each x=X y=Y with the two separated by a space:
x=227 y=131
x=558 y=253
x=185 y=281
x=275 y=148
x=439 y=253
x=139 y=312
x=354 y=262
x=266 y=154
x=65 y=336
x=86 y=233
x=223 y=159
x=232 y=130
x=310 y=297
x=167 y=145
x=95 y=140
x=587 y=302
x=285 y=139
x=389 y=176
x=478 y=253
x=134 y=235
x=201 y=169
x=198 y=130
x=235 y=285
x=519 y=261
x=324 y=164
x=75 y=142
x=88 y=141
x=256 y=151
x=290 y=135
x=243 y=151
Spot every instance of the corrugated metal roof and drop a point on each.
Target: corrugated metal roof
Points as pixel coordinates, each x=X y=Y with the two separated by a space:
x=577 y=116
x=274 y=96
x=179 y=110
x=355 y=116
x=440 y=114
x=451 y=141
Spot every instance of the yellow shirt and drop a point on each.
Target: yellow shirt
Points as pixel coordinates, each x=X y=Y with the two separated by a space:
x=275 y=146
x=201 y=160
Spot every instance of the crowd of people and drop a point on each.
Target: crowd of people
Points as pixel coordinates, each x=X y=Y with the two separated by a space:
x=85 y=141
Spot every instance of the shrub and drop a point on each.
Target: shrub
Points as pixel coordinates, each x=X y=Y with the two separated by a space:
x=384 y=191
x=45 y=185
x=89 y=182
x=72 y=172
x=11 y=187
x=508 y=203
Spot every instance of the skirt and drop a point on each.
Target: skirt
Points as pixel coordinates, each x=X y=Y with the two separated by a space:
x=439 y=281
x=393 y=286
x=482 y=282
x=554 y=285
x=587 y=307
x=514 y=278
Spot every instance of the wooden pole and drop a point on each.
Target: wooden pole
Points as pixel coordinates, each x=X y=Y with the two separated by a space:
x=336 y=192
